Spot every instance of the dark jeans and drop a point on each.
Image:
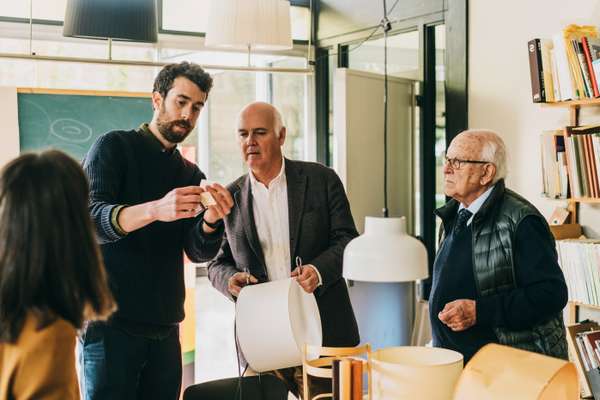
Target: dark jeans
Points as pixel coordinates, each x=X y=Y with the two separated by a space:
x=118 y=365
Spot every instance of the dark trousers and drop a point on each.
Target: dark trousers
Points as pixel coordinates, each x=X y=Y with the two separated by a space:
x=118 y=365
x=265 y=387
x=273 y=385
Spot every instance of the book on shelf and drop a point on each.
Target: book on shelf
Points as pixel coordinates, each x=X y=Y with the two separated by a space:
x=582 y=145
x=580 y=262
x=555 y=181
x=585 y=44
x=335 y=379
x=538 y=92
x=347 y=379
x=357 y=379
x=589 y=378
x=564 y=67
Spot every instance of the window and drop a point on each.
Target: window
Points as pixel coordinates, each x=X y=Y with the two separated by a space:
x=440 y=112
x=403 y=55
x=48 y=10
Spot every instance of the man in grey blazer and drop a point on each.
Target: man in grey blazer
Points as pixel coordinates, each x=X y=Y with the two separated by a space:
x=286 y=209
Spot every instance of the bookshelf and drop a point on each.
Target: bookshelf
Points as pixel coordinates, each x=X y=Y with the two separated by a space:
x=574 y=107
x=573 y=230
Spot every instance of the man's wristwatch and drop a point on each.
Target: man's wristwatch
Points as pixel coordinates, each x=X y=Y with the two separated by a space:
x=213 y=225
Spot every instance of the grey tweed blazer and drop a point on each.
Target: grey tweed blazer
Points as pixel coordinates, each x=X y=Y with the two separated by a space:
x=321 y=225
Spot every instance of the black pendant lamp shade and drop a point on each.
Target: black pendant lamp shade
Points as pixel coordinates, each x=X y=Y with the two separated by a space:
x=133 y=20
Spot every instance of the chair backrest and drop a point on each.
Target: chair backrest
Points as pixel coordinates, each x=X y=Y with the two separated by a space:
x=320 y=367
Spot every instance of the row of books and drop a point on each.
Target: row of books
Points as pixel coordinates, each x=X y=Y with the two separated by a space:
x=580 y=263
x=584 y=343
x=571 y=162
x=555 y=177
x=347 y=379
x=566 y=67
x=583 y=152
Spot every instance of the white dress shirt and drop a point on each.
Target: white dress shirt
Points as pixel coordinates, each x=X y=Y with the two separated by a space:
x=476 y=205
x=271 y=217
x=270 y=208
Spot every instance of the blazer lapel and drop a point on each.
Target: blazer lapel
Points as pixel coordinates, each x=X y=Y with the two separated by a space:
x=296 y=191
x=243 y=202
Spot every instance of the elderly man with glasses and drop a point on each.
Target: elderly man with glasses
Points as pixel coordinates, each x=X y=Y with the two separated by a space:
x=496 y=277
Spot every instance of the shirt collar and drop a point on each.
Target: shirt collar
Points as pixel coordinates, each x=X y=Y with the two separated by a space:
x=476 y=205
x=153 y=141
x=280 y=178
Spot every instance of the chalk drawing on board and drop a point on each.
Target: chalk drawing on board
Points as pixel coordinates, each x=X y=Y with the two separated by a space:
x=71 y=130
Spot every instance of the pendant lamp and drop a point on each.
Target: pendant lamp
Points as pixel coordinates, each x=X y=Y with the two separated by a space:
x=132 y=20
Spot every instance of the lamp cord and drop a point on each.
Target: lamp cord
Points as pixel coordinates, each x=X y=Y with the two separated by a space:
x=387 y=26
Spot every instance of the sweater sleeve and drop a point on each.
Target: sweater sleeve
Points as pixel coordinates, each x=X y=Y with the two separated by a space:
x=47 y=369
x=104 y=167
x=540 y=292
x=198 y=245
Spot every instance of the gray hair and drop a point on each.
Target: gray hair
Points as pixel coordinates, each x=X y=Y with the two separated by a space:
x=277 y=121
x=493 y=150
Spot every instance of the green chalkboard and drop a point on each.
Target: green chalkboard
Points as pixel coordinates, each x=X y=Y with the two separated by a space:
x=72 y=123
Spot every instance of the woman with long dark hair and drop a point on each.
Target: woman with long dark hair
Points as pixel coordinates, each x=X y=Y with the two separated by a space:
x=52 y=277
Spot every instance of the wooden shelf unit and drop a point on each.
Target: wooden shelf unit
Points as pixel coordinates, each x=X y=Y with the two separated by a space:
x=573 y=310
x=574 y=107
x=573 y=229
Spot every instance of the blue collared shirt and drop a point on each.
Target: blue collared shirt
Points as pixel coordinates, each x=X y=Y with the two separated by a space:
x=476 y=205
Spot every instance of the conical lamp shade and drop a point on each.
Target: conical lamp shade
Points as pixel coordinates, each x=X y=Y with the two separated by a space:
x=260 y=24
x=133 y=20
x=385 y=253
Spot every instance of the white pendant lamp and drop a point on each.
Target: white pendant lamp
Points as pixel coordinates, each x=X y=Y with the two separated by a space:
x=249 y=24
x=385 y=253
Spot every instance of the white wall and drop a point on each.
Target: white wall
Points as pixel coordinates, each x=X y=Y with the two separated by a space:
x=9 y=133
x=500 y=91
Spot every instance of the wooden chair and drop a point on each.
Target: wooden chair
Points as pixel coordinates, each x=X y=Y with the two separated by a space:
x=321 y=367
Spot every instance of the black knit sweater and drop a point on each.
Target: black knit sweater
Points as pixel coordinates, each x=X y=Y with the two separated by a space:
x=145 y=267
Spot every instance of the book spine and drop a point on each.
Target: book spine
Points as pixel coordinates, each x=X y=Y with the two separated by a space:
x=562 y=69
x=335 y=379
x=593 y=166
x=584 y=69
x=583 y=353
x=345 y=379
x=357 y=379
x=588 y=59
x=535 y=69
x=589 y=351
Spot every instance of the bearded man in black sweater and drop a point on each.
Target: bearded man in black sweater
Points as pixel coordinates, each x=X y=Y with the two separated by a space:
x=147 y=208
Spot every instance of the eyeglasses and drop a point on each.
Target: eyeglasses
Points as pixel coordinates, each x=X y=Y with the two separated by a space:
x=457 y=163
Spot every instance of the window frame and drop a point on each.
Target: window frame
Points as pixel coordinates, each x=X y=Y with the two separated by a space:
x=454 y=14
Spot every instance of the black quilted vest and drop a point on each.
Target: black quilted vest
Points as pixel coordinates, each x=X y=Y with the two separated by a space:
x=494 y=228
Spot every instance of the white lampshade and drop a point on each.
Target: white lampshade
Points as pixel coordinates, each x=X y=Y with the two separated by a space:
x=259 y=24
x=385 y=253
x=407 y=373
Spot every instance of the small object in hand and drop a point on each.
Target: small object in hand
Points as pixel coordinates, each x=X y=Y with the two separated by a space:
x=299 y=264
x=207 y=199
